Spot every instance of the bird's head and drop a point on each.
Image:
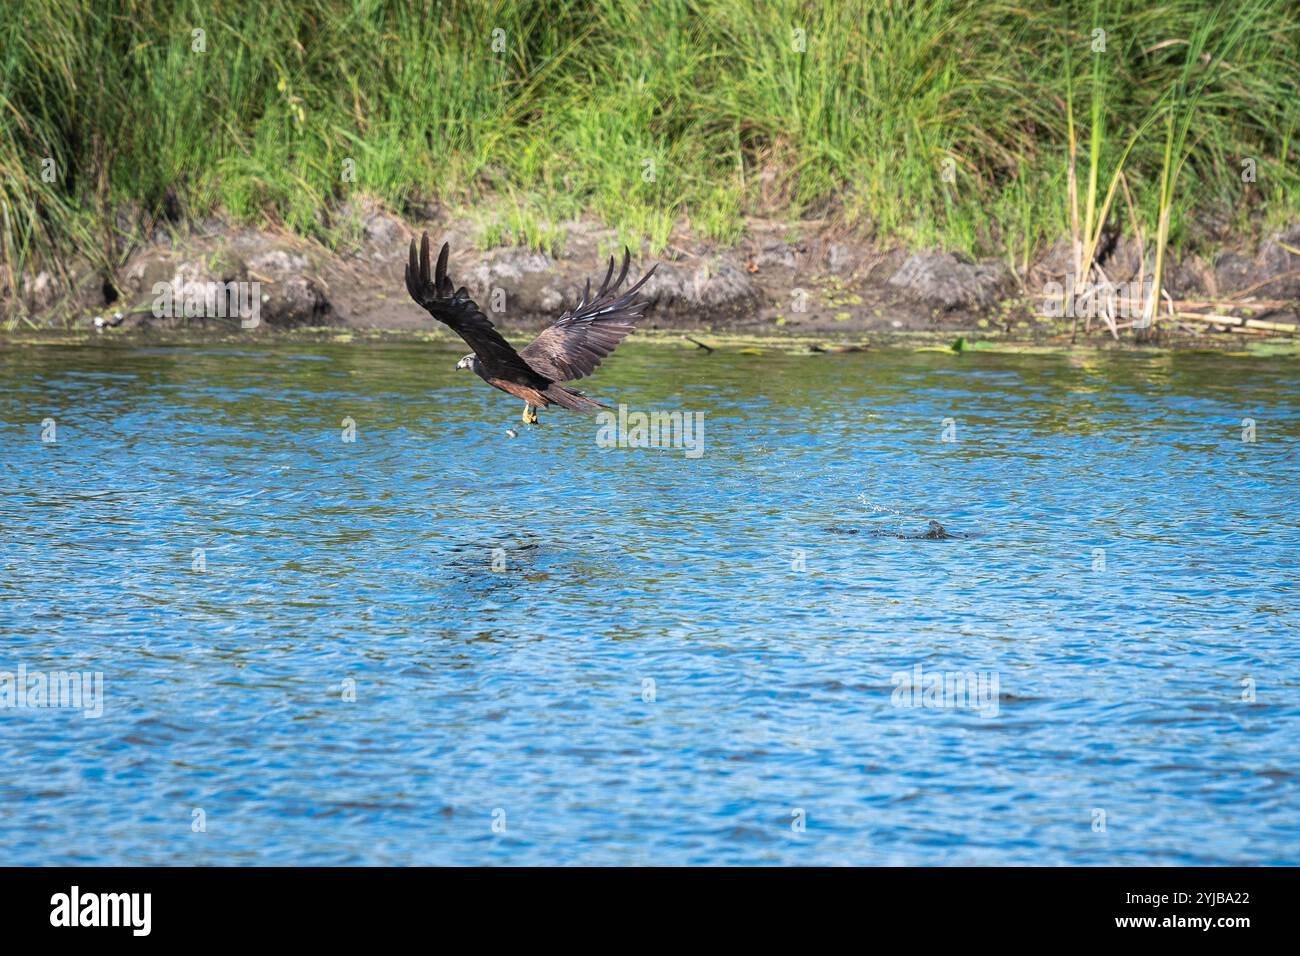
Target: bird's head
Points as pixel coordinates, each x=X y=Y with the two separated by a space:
x=469 y=361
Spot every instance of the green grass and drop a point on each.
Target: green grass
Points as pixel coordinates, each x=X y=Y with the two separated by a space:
x=651 y=116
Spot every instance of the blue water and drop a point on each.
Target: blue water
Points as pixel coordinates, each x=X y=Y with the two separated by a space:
x=1128 y=574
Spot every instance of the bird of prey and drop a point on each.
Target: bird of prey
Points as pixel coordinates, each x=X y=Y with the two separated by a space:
x=570 y=349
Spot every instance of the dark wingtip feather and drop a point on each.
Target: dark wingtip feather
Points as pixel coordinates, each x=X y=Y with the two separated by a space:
x=442 y=263
x=627 y=262
x=604 y=286
x=627 y=296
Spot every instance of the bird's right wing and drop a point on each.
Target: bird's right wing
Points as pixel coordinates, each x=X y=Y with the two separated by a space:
x=455 y=309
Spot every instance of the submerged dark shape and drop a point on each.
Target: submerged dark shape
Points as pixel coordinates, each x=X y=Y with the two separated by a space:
x=935 y=532
x=570 y=349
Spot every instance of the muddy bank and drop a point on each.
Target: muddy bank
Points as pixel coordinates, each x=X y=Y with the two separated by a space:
x=781 y=281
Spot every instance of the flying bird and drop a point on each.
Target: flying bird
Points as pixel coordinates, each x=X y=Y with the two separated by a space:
x=572 y=348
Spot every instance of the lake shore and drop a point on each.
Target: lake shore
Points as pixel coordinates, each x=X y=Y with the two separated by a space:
x=707 y=341
x=782 y=283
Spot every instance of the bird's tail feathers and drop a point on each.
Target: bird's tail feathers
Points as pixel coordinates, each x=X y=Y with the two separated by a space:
x=571 y=398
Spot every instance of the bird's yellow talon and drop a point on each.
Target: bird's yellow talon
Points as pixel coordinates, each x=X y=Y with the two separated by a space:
x=529 y=416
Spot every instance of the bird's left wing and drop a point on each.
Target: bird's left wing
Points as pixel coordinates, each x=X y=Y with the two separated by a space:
x=455 y=309
x=584 y=337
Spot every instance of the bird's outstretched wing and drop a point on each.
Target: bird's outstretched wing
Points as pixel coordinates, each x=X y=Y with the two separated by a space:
x=583 y=337
x=455 y=309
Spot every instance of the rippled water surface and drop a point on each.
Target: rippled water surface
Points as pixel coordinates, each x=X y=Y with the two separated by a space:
x=623 y=655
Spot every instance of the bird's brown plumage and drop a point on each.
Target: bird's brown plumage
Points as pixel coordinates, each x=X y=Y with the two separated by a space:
x=570 y=349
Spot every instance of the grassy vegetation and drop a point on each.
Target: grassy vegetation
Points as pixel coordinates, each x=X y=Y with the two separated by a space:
x=918 y=121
